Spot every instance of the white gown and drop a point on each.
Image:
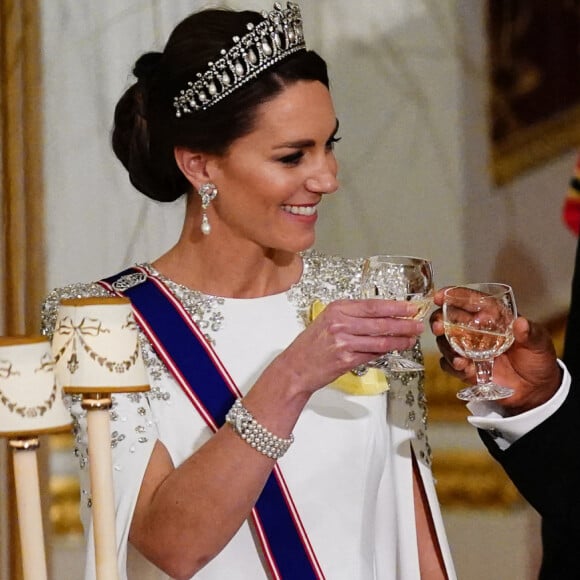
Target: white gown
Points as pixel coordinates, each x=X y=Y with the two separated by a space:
x=349 y=469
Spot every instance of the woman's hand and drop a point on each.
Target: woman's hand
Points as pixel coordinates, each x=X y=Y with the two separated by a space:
x=346 y=334
x=529 y=366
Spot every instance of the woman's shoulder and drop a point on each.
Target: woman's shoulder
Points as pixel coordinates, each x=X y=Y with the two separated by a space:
x=332 y=260
x=330 y=277
x=50 y=304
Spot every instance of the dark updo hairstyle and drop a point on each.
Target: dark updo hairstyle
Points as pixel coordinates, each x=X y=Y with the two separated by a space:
x=146 y=130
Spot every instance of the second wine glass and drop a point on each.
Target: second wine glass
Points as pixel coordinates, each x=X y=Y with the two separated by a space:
x=478 y=321
x=398 y=278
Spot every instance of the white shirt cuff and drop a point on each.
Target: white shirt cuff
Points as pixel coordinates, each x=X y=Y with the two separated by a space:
x=507 y=430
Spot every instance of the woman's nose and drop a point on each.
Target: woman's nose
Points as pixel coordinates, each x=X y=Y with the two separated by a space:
x=324 y=179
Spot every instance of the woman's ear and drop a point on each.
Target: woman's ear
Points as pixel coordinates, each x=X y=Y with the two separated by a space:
x=193 y=165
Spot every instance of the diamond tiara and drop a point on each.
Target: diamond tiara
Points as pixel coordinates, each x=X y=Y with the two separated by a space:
x=266 y=43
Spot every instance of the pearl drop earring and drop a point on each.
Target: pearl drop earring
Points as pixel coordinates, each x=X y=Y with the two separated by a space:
x=207 y=192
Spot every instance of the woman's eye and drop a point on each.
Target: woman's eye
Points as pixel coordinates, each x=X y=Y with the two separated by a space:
x=292 y=159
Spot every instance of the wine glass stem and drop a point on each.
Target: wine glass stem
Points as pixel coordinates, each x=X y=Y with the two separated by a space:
x=483 y=372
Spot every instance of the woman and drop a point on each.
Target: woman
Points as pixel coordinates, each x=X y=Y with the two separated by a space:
x=236 y=114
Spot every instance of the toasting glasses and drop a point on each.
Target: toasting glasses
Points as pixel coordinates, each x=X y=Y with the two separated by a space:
x=398 y=278
x=478 y=321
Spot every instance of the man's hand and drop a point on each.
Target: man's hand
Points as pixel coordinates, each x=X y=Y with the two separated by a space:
x=529 y=366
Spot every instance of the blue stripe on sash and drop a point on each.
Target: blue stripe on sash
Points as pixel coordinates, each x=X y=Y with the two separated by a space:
x=290 y=551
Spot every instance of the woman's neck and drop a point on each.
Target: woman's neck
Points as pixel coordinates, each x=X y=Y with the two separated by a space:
x=230 y=272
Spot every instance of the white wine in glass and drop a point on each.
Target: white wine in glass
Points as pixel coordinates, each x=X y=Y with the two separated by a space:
x=398 y=278
x=478 y=321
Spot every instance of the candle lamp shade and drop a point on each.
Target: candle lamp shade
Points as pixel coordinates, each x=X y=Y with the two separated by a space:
x=96 y=347
x=31 y=402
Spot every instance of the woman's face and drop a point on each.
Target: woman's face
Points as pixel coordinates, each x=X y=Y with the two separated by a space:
x=271 y=181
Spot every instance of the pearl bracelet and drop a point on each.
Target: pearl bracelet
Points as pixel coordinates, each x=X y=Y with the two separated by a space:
x=244 y=424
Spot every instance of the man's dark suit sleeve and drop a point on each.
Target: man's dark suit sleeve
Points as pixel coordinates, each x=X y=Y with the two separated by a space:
x=545 y=464
x=545 y=467
x=571 y=356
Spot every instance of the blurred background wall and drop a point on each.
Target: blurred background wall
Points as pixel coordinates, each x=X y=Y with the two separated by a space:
x=427 y=166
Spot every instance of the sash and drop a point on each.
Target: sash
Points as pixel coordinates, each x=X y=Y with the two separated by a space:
x=197 y=369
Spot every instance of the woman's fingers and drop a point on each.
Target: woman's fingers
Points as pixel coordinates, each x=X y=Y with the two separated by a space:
x=356 y=329
x=378 y=345
x=373 y=317
x=370 y=307
x=348 y=333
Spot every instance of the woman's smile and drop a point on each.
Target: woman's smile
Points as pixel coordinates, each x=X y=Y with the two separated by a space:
x=301 y=210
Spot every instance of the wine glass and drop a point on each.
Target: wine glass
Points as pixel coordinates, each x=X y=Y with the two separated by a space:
x=478 y=321
x=398 y=278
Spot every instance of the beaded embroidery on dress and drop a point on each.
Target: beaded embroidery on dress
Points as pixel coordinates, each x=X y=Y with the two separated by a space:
x=325 y=278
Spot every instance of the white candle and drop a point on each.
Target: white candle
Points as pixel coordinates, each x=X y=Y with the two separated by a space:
x=102 y=492
x=29 y=508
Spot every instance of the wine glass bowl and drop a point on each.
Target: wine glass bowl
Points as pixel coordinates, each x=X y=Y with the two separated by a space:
x=478 y=322
x=398 y=278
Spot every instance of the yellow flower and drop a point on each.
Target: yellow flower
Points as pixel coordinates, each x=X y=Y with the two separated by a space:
x=372 y=382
